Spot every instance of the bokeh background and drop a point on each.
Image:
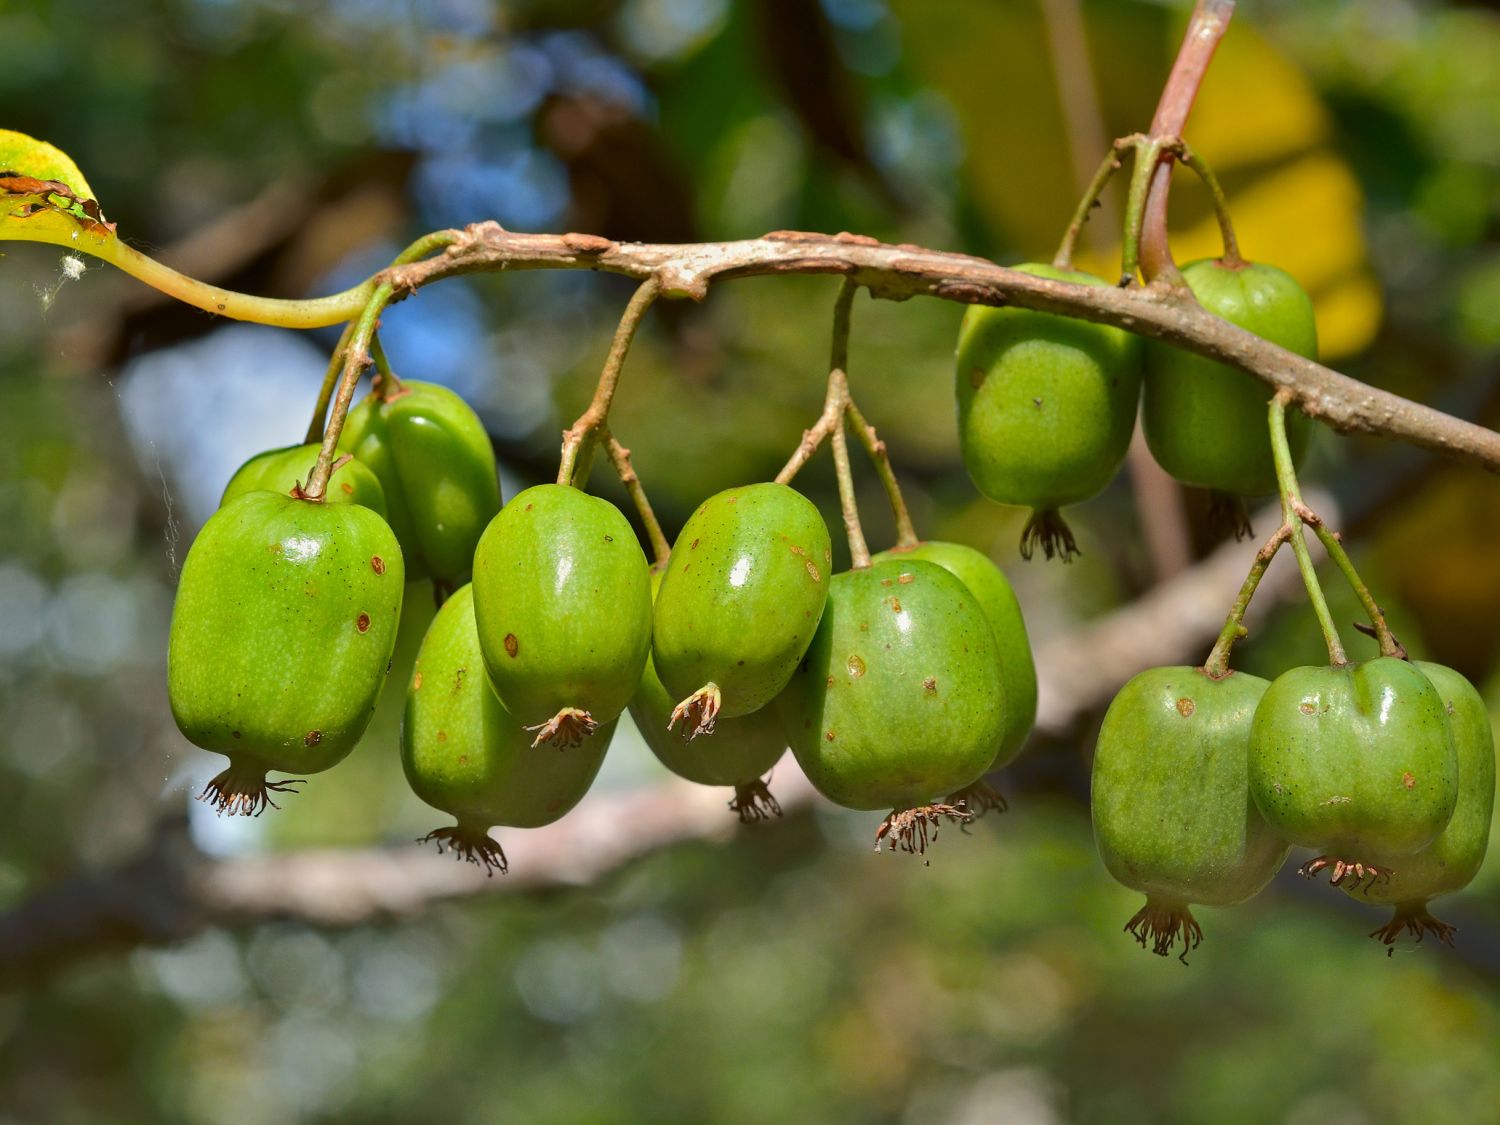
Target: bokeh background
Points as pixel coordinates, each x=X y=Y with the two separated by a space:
x=782 y=972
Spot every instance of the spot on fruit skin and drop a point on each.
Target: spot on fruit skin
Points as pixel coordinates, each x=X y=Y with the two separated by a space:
x=1307 y=708
x=895 y=605
x=906 y=579
x=512 y=646
x=312 y=738
x=377 y=564
x=812 y=571
x=1409 y=781
x=348 y=488
x=363 y=624
x=442 y=736
x=829 y=735
x=856 y=666
x=929 y=685
x=976 y=377
x=1185 y=707
x=416 y=682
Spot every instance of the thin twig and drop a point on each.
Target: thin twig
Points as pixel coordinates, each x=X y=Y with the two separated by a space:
x=619 y=456
x=330 y=380
x=1291 y=503
x=906 y=534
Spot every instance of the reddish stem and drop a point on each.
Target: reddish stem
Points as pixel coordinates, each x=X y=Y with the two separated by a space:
x=1209 y=21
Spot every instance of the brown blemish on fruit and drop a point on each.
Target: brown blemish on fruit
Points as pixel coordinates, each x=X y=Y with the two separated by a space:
x=363 y=624
x=829 y=736
x=733 y=500
x=693 y=546
x=796 y=550
x=1409 y=781
x=976 y=377
x=529 y=507
x=512 y=646
x=907 y=579
x=416 y=682
x=312 y=738
x=1308 y=708
x=377 y=564
x=458 y=680
x=895 y=605
x=1336 y=800
x=348 y=488
x=856 y=666
x=828 y=556
x=830 y=681
x=887 y=582
x=864 y=626
x=1186 y=707
x=609 y=538
x=929 y=685
x=234 y=734
x=442 y=736
x=812 y=571
x=463 y=759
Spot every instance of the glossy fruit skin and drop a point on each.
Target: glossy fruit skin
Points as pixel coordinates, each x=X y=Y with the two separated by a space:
x=1355 y=760
x=1451 y=861
x=1172 y=812
x=1046 y=404
x=463 y=753
x=741 y=596
x=992 y=590
x=563 y=600
x=897 y=700
x=737 y=751
x=282 y=470
x=283 y=627
x=1204 y=421
x=437 y=466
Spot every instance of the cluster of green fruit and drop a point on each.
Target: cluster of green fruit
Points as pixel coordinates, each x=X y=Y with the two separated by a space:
x=1202 y=786
x=894 y=684
x=1047 y=404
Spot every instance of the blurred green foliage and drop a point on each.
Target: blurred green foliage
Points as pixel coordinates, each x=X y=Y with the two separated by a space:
x=786 y=973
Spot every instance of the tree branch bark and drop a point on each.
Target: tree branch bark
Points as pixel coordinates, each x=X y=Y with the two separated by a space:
x=898 y=272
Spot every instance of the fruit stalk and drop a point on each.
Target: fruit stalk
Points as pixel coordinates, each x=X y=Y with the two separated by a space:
x=356 y=359
x=906 y=534
x=619 y=456
x=1111 y=164
x=1231 y=255
x=1291 y=502
x=838 y=396
x=1209 y=22
x=1217 y=664
x=385 y=379
x=1333 y=544
x=330 y=380
x=592 y=420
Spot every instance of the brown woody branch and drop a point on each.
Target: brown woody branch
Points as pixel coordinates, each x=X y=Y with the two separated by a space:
x=897 y=272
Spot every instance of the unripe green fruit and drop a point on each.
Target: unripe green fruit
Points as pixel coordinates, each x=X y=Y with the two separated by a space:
x=1206 y=422
x=463 y=753
x=1046 y=407
x=1451 y=861
x=282 y=631
x=1355 y=760
x=563 y=601
x=897 y=700
x=437 y=466
x=284 y=470
x=1172 y=812
x=739 y=601
x=992 y=590
x=737 y=752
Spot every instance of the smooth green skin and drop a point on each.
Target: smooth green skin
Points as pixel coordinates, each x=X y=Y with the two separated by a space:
x=462 y=751
x=1355 y=760
x=563 y=598
x=737 y=751
x=1046 y=404
x=1173 y=817
x=1451 y=861
x=281 y=470
x=266 y=660
x=437 y=465
x=896 y=700
x=992 y=590
x=741 y=597
x=1205 y=422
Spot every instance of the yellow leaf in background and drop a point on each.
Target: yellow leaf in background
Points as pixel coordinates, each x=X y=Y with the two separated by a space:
x=1258 y=122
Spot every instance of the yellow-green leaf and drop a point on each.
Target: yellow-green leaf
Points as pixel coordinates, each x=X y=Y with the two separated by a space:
x=44 y=197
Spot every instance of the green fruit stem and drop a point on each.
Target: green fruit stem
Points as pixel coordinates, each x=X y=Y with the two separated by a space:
x=1333 y=544
x=356 y=359
x=1291 y=504
x=578 y=440
x=906 y=534
x=838 y=387
x=1231 y=255
x=330 y=380
x=385 y=379
x=1217 y=664
x=619 y=456
x=1111 y=164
